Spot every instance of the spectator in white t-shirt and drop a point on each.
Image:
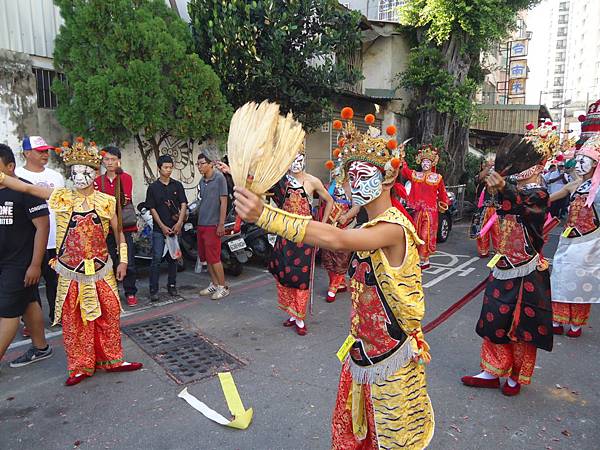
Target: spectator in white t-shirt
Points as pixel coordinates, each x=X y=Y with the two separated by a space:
x=36 y=153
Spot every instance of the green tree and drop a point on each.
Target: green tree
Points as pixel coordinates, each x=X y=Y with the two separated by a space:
x=131 y=70
x=293 y=52
x=444 y=69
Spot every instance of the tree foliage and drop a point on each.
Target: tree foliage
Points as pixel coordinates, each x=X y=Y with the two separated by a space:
x=131 y=70
x=294 y=52
x=444 y=69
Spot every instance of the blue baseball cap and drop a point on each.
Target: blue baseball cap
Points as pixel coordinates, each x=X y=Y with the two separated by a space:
x=35 y=143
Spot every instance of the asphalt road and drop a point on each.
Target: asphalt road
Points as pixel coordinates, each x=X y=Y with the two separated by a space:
x=291 y=381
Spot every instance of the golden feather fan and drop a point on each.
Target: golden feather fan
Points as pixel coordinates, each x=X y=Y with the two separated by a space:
x=262 y=145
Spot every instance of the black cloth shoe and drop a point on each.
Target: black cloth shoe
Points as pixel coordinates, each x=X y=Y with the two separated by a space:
x=154 y=297
x=172 y=290
x=32 y=355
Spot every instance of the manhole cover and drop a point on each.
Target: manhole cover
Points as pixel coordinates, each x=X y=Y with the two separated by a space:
x=185 y=354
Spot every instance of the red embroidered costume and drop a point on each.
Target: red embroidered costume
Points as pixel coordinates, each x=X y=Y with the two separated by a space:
x=427 y=194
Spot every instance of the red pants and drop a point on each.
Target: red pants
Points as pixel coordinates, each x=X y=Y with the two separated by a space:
x=336 y=281
x=492 y=236
x=293 y=301
x=515 y=360
x=427 y=225
x=96 y=344
x=571 y=313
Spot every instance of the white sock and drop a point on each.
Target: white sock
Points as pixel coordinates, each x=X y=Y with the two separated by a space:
x=511 y=382
x=556 y=324
x=575 y=328
x=292 y=319
x=485 y=375
x=300 y=323
x=125 y=363
x=331 y=293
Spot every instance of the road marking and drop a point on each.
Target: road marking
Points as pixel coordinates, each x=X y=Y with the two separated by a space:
x=449 y=268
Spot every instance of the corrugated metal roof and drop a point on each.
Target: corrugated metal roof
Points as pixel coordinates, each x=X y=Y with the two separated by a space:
x=506 y=118
x=29 y=26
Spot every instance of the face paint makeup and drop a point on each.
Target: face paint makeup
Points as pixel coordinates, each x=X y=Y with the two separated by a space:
x=366 y=182
x=82 y=176
x=426 y=164
x=583 y=165
x=298 y=164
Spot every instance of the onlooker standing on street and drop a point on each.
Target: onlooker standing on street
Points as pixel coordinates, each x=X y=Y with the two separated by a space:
x=107 y=183
x=555 y=180
x=166 y=201
x=211 y=225
x=36 y=153
x=23 y=237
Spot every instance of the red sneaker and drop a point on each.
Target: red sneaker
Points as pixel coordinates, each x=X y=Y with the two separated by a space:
x=131 y=300
x=493 y=383
x=330 y=297
x=126 y=367
x=76 y=379
x=558 y=329
x=289 y=323
x=510 y=391
x=574 y=334
x=25 y=333
x=301 y=331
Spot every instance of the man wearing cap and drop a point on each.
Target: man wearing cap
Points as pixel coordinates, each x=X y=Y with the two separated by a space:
x=35 y=152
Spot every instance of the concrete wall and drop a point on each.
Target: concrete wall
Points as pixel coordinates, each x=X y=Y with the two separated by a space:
x=19 y=114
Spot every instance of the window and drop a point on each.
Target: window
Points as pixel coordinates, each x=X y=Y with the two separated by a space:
x=388 y=10
x=564 y=6
x=561 y=44
x=43 y=81
x=562 y=31
x=558 y=81
x=563 y=18
x=560 y=68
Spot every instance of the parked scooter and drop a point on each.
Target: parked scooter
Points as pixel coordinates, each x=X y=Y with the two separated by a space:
x=234 y=251
x=142 y=240
x=259 y=241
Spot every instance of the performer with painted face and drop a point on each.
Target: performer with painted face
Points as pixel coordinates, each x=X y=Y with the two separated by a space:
x=87 y=301
x=516 y=316
x=292 y=263
x=576 y=264
x=382 y=398
x=427 y=196
x=342 y=215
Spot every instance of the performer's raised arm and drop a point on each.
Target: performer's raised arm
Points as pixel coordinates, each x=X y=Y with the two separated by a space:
x=17 y=185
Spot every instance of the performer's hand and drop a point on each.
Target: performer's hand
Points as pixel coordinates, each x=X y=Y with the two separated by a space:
x=32 y=276
x=495 y=181
x=248 y=205
x=121 y=271
x=222 y=167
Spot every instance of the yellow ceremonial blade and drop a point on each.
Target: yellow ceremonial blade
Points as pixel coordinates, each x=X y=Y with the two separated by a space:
x=242 y=417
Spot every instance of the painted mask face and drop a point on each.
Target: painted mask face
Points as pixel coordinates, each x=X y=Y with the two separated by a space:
x=366 y=182
x=583 y=165
x=82 y=176
x=298 y=164
x=426 y=165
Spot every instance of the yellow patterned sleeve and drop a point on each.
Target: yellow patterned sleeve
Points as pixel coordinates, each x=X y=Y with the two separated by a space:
x=287 y=225
x=105 y=205
x=61 y=199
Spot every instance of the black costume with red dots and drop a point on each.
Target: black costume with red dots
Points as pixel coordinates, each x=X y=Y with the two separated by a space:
x=519 y=308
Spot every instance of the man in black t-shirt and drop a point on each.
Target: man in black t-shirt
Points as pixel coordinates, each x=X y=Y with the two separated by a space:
x=24 y=229
x=166 y=201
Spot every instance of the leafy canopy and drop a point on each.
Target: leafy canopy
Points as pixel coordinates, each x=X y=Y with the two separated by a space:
x=293 y=52
x=130 y=68
x=483 y=21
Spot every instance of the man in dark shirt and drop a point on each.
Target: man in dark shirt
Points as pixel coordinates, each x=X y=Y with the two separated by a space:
x=211 y=220
x=166 y=201
x=24 y=229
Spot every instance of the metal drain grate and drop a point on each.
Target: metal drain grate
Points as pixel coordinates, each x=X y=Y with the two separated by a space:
x=182 y=351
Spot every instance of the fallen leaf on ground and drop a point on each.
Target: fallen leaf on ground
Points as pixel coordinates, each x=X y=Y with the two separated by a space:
x=455 y=428
x=565 y=433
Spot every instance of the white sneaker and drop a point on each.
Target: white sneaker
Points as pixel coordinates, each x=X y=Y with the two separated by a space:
x=210 y=290
x=222 y=291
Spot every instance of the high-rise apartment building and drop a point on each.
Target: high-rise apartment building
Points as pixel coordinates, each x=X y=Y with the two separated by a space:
x=567 y=75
